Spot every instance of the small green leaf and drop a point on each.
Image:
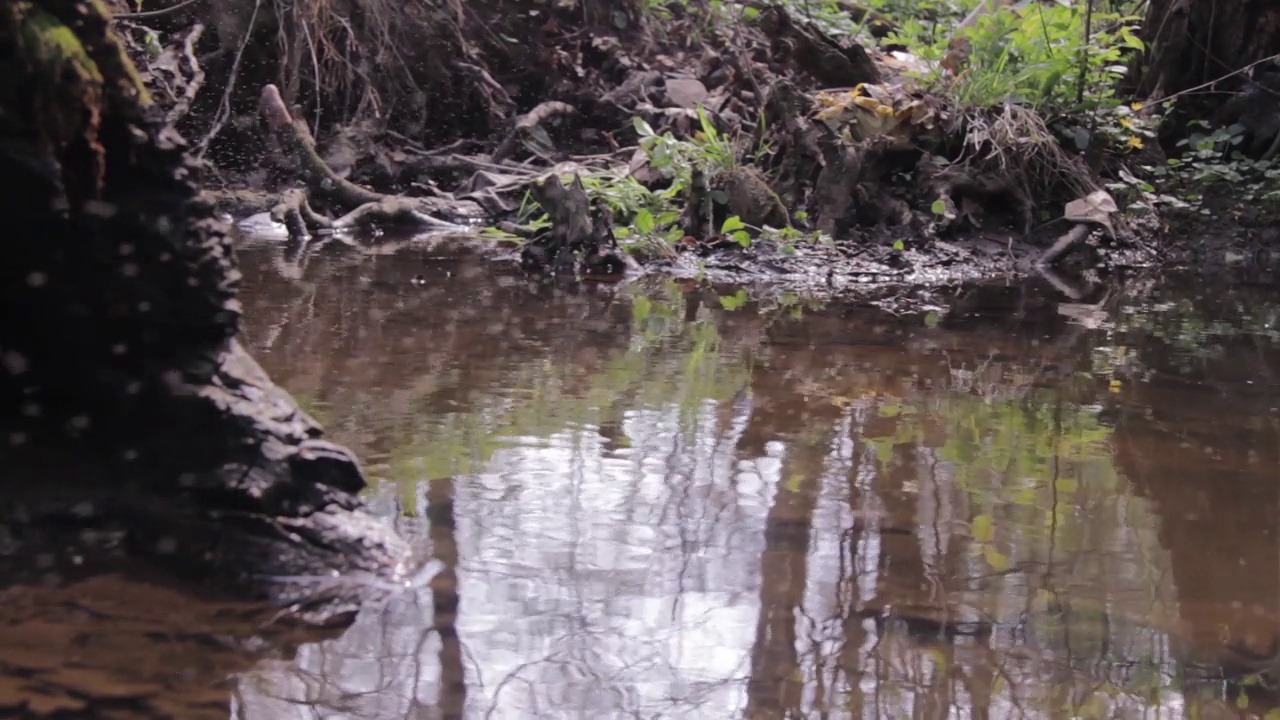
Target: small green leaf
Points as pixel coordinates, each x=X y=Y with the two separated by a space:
x=644 y=222
x=899 y=245
x=641 y=308
x=742 y=238
x=931 y=320
x=939 y=207
x=734 y=301
x=707 y=127
x=643 y=129
x=732 y=223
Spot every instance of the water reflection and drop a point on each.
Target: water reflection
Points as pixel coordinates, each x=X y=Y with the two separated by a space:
x=655 y=503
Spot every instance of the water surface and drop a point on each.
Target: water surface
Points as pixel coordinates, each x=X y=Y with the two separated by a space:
x=671 y=501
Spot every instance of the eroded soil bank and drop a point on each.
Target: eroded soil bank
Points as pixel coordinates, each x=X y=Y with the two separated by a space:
x=727 y=142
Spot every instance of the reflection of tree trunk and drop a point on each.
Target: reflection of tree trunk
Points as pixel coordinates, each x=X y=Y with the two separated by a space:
x=937 y=700
x=774 y=690
x=853 y=633
x=979 y=678
x=444 y=596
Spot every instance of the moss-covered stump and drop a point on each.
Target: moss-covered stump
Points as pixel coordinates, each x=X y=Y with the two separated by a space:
x=118 y=288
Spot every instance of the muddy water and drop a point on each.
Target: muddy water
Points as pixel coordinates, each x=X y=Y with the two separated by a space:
x=659 y=501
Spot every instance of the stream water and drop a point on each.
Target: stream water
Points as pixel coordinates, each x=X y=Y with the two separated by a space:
x=668 y=501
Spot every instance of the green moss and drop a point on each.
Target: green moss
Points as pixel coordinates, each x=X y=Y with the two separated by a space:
x=116 y=63
x=53 y=48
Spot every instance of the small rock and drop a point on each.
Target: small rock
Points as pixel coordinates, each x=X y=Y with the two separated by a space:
x=685 y=92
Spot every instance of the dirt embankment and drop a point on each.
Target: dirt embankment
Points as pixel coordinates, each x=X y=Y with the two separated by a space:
x=716 y=140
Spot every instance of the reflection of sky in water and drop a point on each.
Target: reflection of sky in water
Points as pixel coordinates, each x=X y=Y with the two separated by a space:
x=607 y=576
x=596 y=588
x=625 y=583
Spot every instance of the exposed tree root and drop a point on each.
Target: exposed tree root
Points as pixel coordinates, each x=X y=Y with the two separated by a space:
x=367 y=207
x=530 y=120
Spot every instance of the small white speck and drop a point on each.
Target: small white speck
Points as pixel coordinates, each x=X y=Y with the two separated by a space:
x=37 y=279
x=99 y=208
x=129 y=455
x=186 y=479
x=163 y=224
x=80 y=422
x=167 y=546
x=144 y=306
x=164 y=257
x=119 y=349
x=31 y=409
x=133 y=388
x=18 y=438
x=15 y=362
x=193 y=282
x=129 y=269
x=126 y=249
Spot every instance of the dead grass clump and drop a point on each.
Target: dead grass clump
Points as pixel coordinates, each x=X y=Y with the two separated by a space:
x=1013 y=142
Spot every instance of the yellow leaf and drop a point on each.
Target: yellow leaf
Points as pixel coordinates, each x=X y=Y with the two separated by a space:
x=867 y=103
x=983 y=528
x=997 y=560
x=1135 y=142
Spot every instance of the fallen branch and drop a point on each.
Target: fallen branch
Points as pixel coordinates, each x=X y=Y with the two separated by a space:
x=296 y=138
x=1078 y=232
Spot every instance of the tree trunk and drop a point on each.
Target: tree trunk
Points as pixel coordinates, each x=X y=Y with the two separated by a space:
x=1193 y=42
x=118 y=364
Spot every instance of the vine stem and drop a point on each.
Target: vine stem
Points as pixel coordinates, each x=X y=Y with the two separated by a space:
x=1084 y=51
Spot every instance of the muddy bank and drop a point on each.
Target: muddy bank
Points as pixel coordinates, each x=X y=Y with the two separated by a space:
x=744 y=141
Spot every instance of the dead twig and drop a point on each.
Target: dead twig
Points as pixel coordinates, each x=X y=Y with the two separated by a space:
x=526 y=123
x=148 y=14
x=224 y=106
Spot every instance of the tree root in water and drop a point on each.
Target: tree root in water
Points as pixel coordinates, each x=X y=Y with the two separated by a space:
x=367 y=206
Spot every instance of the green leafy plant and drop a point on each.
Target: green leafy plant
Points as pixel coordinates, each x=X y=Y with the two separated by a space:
x=1052 y=57
x=1210 y=157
